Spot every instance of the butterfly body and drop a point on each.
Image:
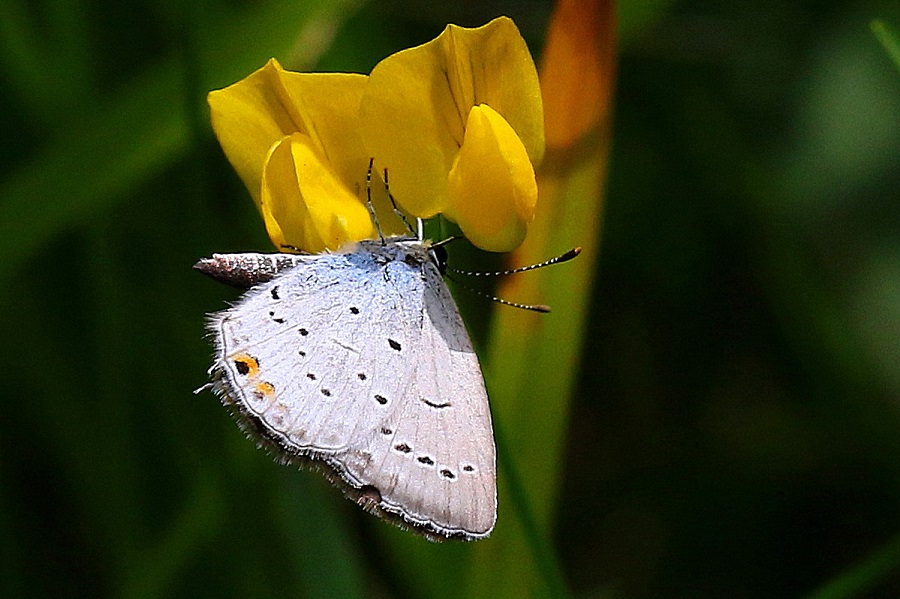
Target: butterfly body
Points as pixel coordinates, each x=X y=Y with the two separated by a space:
x=358 y=362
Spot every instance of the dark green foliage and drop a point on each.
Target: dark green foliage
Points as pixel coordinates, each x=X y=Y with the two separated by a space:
x=736 y=426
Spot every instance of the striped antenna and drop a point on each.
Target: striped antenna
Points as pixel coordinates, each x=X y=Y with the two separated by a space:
x=543 y=308
x=557 y=260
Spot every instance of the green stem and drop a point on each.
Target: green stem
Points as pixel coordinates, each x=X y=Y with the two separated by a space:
x=541 y=552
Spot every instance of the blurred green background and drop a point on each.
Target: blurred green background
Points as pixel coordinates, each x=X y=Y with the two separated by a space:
x=735 y=430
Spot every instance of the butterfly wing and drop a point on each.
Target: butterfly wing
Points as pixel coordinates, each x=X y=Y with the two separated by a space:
x=361 y=363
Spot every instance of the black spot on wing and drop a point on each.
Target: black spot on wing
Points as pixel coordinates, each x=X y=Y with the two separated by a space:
x=433 y=404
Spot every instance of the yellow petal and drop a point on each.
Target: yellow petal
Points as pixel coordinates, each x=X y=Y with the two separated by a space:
x=271 y=103
x=304 y=204
x=248 y=118
x=327 y=106
x=414 y=110
x=492 y=186
x=327 y=110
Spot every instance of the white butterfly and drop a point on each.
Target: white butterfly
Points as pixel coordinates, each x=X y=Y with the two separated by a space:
x=358 y=362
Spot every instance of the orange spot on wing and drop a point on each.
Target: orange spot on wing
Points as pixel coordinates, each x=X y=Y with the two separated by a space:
x=265 y=387
x=246 y=365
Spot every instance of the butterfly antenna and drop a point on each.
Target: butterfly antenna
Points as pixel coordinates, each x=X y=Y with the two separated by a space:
x=443 y=242
x=499 y=273
x=369 y=204
x=542 y=308
x=397 y=210
x=533 y=307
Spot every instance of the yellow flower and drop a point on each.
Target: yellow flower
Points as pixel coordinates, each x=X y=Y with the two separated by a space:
x=457 y=122
x=294 y=141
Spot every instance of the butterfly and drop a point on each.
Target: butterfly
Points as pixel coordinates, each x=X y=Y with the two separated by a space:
x=357 y=362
